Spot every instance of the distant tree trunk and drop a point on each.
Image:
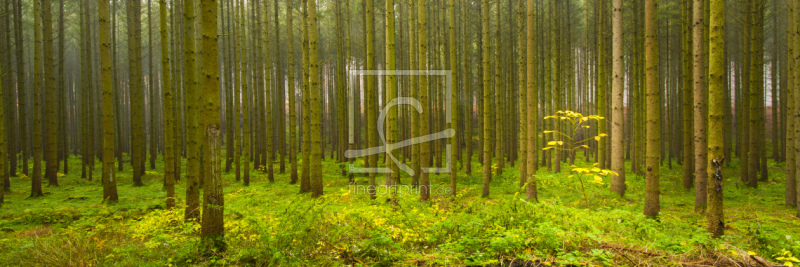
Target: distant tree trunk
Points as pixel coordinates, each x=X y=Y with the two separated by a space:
x=245 y=94
x=744 y=142
x=192 y=111
x=63 y=145
x=617 y=132
x=467 y=80
x=716 y=116
x=315 y=127
x=36 y=177
x=267 y=126
x=22 y=98
x=700 y=109
x=487 y=120
x=652 y=160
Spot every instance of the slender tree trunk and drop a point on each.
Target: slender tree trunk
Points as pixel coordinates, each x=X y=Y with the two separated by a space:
x=700 y=106
x=617 y=132
x=791 y=196
x=292 y=105
x=169 y=118
x=487 y=120
x=36 y=176
x=305 y=179
x=532 y=103
x=688 y=95
x=22 y=96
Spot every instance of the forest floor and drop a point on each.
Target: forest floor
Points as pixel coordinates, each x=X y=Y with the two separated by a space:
x=271 y=224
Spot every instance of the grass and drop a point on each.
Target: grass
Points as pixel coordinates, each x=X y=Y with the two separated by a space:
x=271 y=224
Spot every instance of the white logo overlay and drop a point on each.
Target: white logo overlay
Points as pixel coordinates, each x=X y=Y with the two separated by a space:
x=387 y=148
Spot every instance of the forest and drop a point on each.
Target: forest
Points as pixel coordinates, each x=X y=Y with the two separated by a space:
x=400 y=133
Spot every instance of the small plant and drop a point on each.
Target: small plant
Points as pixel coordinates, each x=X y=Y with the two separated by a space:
x=577 y=122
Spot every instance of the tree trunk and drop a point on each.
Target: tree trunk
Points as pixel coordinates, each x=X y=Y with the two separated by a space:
x=700 y=107
x=716 y=115
x=652 y=157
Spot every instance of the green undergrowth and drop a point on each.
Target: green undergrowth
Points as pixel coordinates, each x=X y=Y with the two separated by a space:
x=271 y=224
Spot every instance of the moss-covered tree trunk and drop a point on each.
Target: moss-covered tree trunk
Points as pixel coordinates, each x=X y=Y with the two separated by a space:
x=169 y=119
x=212 y=228
x=716 y=115
x=425 y=148
x=192 y=101
x=36 y=176
x=51 y=147
x=109 y=178
x=136 y=92
x=652 y=206
x=315 y=127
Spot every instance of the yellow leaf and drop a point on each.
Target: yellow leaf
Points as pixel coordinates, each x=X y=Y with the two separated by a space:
x=751 y=253
x=560 y=143
x=602 y=134
x=597 y=138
